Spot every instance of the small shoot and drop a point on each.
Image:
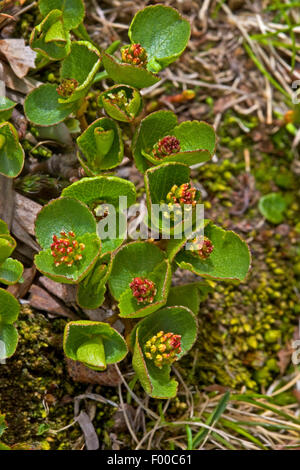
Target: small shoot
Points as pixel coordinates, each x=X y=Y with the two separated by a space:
x=95 y=344
x=121 y=102
x=100 y=146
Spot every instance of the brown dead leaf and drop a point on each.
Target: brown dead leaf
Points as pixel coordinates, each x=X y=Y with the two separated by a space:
x=19 y=56
x=26 y=211
x=80 y=373
x=65 y=292
x=42 y=300
x=19 y=232
x=24 y=86
x=284 y=356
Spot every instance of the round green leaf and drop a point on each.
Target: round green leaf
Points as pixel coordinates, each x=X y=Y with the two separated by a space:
x=158 y=182
x=3 y=228
x=9 y=308
x=174 y=245
x=63 y=214
x=78 y=333
x=94 y=158
x=197 y=143
x=8 y=340
x=101 y=189
x=160 y=179
x=81 y=64
x=50 y=38
x=161 y=276
x=6 y=108
x=128 y=74
x=111 y=243
x=230 y=258
x=121 y=102
x=150 y=130
x=195 y=135
x=10 y=271
x=11 y=152
x=43 y=108
x=72 y=11
x=7 y=246
x=197 y=140
x=137 y=259
x=163 y=32
x=272 y=207
x=6 y=104
x=105 y=190
x=66 y=214
x=177 y=320
x=187 y=295
x=79 y=270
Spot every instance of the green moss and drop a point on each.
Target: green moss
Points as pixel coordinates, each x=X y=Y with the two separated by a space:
x=242 y=326
x=36 y=393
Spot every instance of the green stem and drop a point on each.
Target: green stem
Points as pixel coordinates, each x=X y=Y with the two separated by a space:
x=189 y=437
x=113 y=47
x=100 y=76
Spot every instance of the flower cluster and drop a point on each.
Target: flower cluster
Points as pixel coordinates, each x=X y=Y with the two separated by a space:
x=143 y=290
x=67 y=87
x=134 y=54
x=66 y=249
x=166 y=146
x=163 y=348
x=183 y=194
x=202 y=247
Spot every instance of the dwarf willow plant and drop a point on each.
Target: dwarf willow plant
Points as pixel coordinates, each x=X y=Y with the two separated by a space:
x=11 y=152
x=10 y=273
x=138 y=274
